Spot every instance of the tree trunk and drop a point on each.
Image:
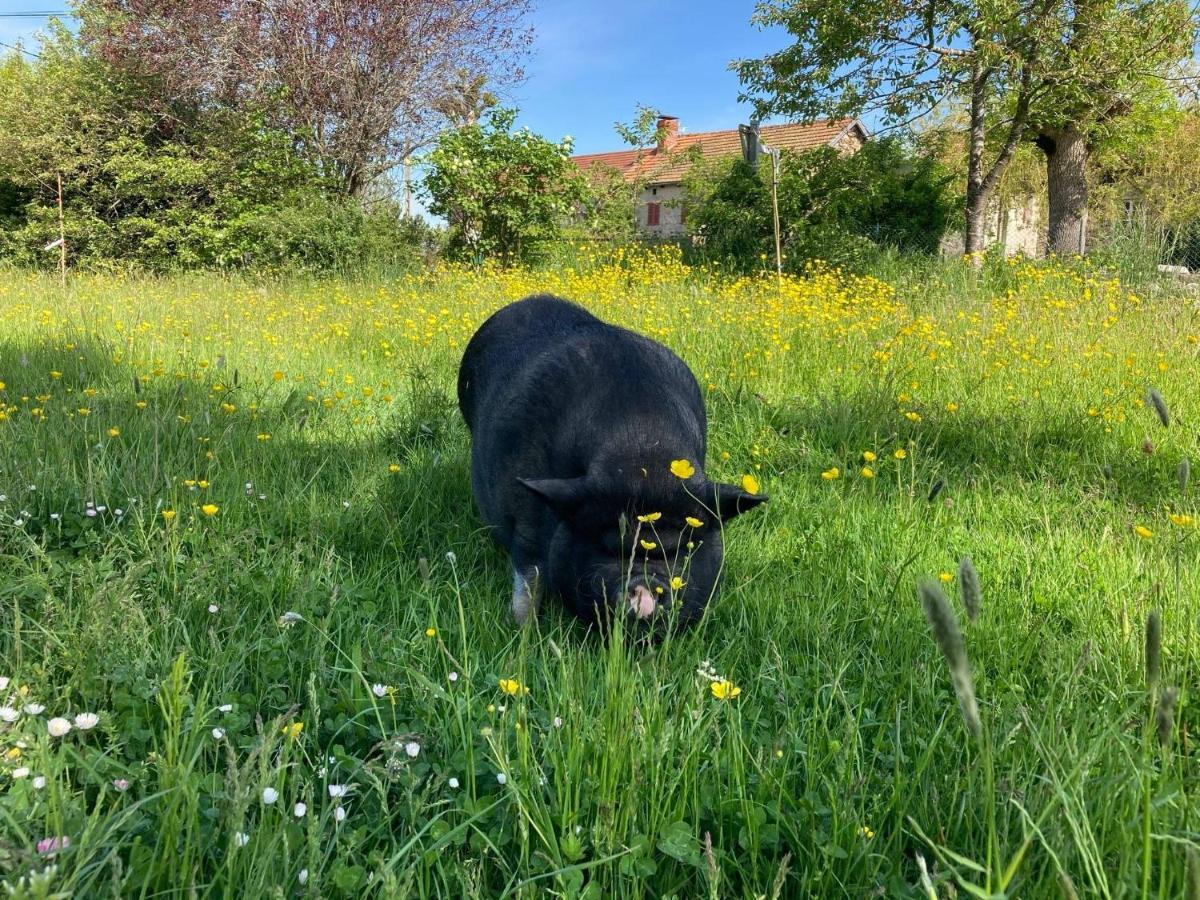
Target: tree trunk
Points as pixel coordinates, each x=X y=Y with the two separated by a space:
x=1066 y=177
x=977 y=196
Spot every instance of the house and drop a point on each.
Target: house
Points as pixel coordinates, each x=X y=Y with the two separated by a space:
x=660 y=210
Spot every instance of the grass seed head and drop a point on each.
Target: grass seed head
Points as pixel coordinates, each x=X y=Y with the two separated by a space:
x=968 y=585
x=949 y=638
x=1160 y=407
x=1164 y=715
x=1153 y=646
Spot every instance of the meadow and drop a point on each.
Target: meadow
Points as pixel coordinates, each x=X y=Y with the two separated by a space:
x=254 y=640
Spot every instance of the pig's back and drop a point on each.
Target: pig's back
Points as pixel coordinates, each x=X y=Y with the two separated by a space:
x=509 y=342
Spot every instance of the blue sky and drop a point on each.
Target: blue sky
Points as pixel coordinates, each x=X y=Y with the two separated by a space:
x=593 y=62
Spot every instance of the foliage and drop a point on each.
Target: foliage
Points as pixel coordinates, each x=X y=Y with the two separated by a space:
x=832 y=207
x=1056 y=72
x=161 y=188
x=506 y=194
x=317 y=416
x=357 y=85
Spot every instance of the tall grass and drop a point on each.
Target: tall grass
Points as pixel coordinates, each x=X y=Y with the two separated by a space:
x=336 y=632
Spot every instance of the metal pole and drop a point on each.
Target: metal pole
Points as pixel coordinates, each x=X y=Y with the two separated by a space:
x=62 y=238
x=775 y=210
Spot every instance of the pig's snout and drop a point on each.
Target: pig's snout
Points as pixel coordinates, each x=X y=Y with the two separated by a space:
x=645 y=596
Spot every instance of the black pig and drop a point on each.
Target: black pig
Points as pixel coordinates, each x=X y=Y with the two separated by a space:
x=587 y=463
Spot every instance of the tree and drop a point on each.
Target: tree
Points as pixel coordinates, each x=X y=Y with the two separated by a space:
x=833 y=207
x=1023 y=67
x=505 y=193
x=359 y=84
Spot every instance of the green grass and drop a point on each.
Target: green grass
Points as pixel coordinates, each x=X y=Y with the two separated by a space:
x=843 y=766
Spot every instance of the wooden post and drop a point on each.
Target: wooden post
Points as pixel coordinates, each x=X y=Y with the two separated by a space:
x=62 y=238
x=775 y=210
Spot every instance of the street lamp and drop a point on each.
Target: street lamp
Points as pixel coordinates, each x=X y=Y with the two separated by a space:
x=751 y=138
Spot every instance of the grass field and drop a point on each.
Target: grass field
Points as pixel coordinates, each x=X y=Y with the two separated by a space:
x=236 y=530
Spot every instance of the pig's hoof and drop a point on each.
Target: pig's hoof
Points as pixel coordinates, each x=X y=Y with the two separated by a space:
x=526 y=594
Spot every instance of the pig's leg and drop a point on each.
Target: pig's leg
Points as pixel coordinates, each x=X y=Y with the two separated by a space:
x=527 y=593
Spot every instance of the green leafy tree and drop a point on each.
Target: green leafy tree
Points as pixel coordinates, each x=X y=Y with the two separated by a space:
x=832 y=207
x=506 y=194
x=1052 y=70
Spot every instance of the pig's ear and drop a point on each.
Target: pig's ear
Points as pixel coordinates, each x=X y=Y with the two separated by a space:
x=563 y=495
x=729 y=500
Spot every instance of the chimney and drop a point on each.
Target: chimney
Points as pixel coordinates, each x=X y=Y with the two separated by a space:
x=668 y=133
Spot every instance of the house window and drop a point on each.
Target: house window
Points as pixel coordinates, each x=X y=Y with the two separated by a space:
x=652 y=214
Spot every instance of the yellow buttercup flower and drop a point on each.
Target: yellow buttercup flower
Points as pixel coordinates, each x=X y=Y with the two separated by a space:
x=724 y=690
x=677 y=583
x=945 y=577
x=430 y=632
x=1143 y=532
x=394 y=468
x=900 y=453
x=292 y=730
x=694 y=522
x=868 y=456
x=749 y=484
x=650 y=517
x=682 y=468
x=114 y=431
x=867 y=472
x=648 y=545
x=1182 y=520
x=210 y=509
x=830 y=474
x=168 y=514
x=512 y=687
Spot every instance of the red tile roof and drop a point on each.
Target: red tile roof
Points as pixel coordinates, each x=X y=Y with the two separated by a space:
x=669 y=168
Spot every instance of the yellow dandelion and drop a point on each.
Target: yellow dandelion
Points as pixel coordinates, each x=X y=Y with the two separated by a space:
x=1143 y=532
x=830 y=474
x=210 y=509
x=114 y=431
x=867 y=472
x=900 y=453
x=430 y=632
x=749 y=484
x=945 y=577
x=1182 y=520
x=393 y=468
x=868 y=456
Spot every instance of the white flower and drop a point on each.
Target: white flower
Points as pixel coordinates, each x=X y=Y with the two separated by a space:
x=338 y=790
x=502 y=778
x=120 y=784
x=379 y=690
x=22 y=772
x=55 y=516
x=58 y=726
x=339 y=814
x=18 y=522
x=225 y=707
x=345 y=504
x=218 y=734
x=269 y=795
x=303 y=875
x=413 y=749
x=39 y=782
x=299 y=810
x=3 y=682
x=86 y=721
x=558 y=721
x=453 y=782
x=241 y=839
x=8 y=714
x=34 y=709
x=451 y=558
x=119 y=512
x=213 y=608
x=453 y=676
x=102 y=508
x=290 y=618
x=90 y=512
